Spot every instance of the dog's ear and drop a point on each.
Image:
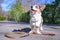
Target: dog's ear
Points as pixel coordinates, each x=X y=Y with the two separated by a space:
x=34 y=3
x=42 y=7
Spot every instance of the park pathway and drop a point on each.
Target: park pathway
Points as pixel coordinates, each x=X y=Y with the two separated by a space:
x=8 y=26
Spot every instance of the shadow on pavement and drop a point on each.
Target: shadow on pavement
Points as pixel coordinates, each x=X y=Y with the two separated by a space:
x=26 y=30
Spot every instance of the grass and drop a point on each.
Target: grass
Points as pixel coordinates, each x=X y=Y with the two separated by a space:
x=1 y=18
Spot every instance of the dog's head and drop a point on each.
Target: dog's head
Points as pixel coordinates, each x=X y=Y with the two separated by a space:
x=35 y=8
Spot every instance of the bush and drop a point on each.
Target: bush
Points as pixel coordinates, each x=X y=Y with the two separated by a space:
x=1 y=18
x=25 y=17
x=11 y=16
x=57 y=21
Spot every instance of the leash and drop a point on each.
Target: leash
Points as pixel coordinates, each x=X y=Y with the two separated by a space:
x=8 y=35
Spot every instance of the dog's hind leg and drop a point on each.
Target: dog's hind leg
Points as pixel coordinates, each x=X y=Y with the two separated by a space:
x=41 y=28
x=41 y=24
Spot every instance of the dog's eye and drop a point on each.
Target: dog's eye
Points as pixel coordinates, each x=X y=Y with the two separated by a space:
x=36 y=6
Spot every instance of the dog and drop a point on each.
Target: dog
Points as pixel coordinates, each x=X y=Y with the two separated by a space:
x=36 y=19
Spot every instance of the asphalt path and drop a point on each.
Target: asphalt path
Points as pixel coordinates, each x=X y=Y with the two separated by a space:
x=9 y=26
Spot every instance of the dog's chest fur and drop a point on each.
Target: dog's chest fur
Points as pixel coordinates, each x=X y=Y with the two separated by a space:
x=35 y=17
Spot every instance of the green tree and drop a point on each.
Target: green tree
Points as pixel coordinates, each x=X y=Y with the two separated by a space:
x=16 y=10
x=51 y=13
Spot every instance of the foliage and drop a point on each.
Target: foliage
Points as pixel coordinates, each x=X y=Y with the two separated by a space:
x=11 y=15
x=25 y=17
x=1 y=18
x=15 y=12
x=50 y=14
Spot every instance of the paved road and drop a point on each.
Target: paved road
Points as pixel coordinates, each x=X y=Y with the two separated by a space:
x=9 y=26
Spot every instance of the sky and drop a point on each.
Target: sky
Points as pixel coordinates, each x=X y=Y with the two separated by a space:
x=39 y=2
x=6 y=4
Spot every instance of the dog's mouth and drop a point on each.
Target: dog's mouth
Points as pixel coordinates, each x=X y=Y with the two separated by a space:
x=33 y=11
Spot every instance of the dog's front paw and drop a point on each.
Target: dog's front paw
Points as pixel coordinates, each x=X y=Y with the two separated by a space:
x=38 y=32
x=30 y=32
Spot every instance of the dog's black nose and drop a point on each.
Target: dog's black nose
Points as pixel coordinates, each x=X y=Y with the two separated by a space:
x=31 y=6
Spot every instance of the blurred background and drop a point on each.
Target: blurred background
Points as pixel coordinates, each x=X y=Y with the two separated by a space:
x=18 y=10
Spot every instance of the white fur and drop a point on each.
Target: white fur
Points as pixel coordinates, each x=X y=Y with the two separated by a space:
x=36 y=20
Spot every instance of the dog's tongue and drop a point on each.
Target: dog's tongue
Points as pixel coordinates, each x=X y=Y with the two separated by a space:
x=34 y=12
